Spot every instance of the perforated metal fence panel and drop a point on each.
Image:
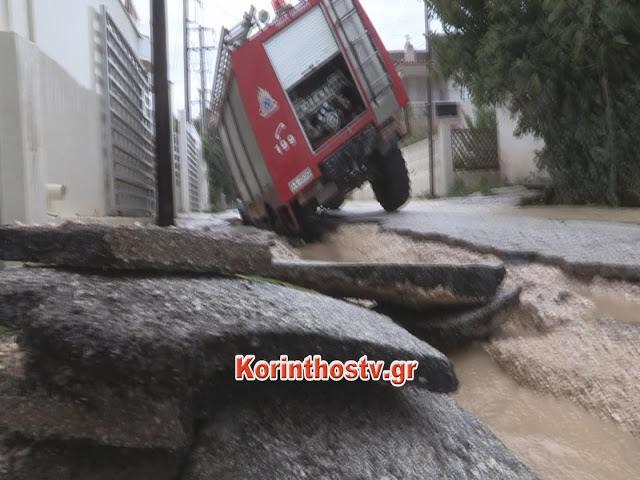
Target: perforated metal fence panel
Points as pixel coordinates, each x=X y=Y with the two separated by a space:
x=194 y=170
x=475 y=149
x=129 y=126
x=177 y=174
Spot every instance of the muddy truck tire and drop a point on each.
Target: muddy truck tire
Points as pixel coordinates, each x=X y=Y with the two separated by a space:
x=390 y=182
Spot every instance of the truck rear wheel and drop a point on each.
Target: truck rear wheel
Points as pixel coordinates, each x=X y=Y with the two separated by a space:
x=390 y=181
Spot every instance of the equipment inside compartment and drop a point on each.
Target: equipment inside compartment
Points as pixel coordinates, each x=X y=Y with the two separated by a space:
x=326 y=101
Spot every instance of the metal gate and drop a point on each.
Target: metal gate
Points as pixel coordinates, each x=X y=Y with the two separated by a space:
x=475 y=149
x=129 y=126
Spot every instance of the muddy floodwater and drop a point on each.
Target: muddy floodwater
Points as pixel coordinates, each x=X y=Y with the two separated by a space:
x=559 y=383
x=554 y=437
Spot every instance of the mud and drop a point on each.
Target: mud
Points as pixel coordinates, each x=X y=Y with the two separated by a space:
x=557 y=439
x=574 y=343
x=369 y=243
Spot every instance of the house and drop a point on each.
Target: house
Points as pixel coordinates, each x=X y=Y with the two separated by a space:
x=76 y=130
x=451 y=104
x=412 y=69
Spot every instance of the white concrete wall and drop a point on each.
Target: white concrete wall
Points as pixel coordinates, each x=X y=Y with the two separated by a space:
x=363 y=193
x=205 y=200
x=22 y=175
x=4 y=16
x=66 y=30
x=14 y=17
x=51 y=124
x=443 y=156
x=53 y=135
x=416 y=156
x=517 y=154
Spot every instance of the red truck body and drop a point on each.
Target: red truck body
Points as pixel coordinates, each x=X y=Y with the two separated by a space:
x=280 y=120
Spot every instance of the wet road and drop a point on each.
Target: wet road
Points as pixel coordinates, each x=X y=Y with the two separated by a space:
x=497 y=225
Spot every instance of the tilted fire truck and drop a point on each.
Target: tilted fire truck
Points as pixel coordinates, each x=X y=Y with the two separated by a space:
x=306 y=107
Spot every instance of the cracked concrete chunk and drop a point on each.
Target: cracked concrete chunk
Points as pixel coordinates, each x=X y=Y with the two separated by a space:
x=138 y=248
x=347 y=431
x=452 y=328
x=412 y=286
x=176 y=332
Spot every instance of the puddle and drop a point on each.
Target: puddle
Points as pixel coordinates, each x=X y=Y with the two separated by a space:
x=623 y=310
x=554 y=437
x=594 y=214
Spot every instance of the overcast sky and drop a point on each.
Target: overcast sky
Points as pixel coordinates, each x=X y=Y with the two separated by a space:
x=393 y=19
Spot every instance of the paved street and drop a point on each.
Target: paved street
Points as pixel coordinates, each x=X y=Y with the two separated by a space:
x=495 y=224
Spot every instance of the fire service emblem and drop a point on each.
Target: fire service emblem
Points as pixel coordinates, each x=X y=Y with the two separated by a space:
x=268 y=104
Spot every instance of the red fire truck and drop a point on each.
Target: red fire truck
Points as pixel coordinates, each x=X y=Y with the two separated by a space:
x=306 y=108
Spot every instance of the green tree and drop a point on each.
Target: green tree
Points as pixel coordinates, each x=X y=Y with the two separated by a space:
x=570 y=70
x=221 y=191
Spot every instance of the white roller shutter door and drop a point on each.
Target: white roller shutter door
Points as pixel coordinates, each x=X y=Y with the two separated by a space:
x=305 y=44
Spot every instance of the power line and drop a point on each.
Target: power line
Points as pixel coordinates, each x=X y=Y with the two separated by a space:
x=202 y=51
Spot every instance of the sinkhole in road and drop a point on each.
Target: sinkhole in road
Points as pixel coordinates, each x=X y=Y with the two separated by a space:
x=559 y=382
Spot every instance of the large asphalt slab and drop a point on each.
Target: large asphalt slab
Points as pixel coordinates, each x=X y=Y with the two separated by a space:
x=585 y=248
x=139 y=248
x=412 y=286
x=174 y=332
x=348 y=431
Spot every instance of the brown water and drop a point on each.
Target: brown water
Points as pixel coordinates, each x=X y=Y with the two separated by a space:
x=615 y=306
x=554 y=437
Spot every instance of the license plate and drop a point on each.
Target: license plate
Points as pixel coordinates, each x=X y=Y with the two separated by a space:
x=301 y=180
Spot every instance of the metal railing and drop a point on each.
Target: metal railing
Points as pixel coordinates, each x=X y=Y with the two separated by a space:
x=129 y=126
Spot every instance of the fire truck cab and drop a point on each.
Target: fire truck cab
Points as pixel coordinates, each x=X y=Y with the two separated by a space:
x=306 y=108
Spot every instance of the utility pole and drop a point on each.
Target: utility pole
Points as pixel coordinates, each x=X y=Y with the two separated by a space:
x=162 y=111
x=432 y=189
x=202 y=49
x=187 y=76
x=203 y=82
